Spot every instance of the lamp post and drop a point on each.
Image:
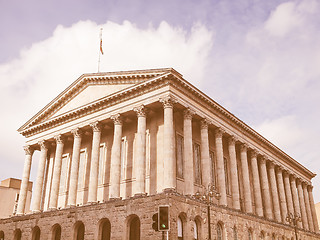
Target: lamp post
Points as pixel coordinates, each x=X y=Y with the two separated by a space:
x=294 y=219
x=207 y=196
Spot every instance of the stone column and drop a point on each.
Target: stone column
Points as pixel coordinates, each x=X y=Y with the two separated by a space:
x=169 y=144
x=115 y=166
x=256 y=183
x=25 y=180
x=282 y=195
x=56 y=172
x=205 y=155
x=307 y=203
x=302 y=205
x=220 y=168
x=265 y=188
x=274 y=192
x=246 y=179
x=287 y=189
x=74 y=175
x=234 y=174
x=140 y=161
x=188 y=170
x=313 y=210
x=94 y=167
x=295 y=198
x=40 y=175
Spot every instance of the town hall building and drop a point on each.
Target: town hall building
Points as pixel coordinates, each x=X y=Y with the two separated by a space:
x=115 y=146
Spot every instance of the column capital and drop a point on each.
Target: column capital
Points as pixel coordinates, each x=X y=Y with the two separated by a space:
x=43 y=145
x=219 y=132
x=279 y=168
x=96 y=126
x=117 y=119
x=204 y=123
x=244 y=147
x=232 y=140
x=263 y=160
x=168 y=101
x=141 y=111
x=310 y=188
x=59 y=138
x=272 y=164
x=77 y=132
x=188 y=113
x=254 y=153
x=28 y=150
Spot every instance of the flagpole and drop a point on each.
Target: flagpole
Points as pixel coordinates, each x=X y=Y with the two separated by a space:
x=100 y=49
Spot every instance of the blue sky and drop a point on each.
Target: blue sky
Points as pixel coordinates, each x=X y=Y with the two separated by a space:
x=259 y=59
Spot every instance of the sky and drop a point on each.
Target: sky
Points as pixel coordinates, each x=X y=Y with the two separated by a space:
x=259 y=59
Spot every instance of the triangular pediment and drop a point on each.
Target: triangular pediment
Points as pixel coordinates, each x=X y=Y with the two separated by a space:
x=89 y=88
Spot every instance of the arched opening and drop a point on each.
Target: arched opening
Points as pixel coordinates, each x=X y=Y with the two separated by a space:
x=104 y=229
x=235 y=233
x=79 y=231
x=220 y=235
x=134 y=227
x=250 y=234
x=197 y=228
x=56 y=232
x=17 y=234
x=262 y=235
x=181 y=226
x=36 y=233
x=1 y=235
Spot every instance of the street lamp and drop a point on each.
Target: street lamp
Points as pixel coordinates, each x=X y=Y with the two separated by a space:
x=207 y=196
x=294 y=219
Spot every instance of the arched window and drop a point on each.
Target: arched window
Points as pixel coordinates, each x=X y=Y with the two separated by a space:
x=250 y=234
x=195 y=231
x=181 y=225
x=273 y=237
x=219 y=232
x=17 y=234
x=134 y=228
x=79 y=231
x=235 y=233
x=56 y=232
x=262 y=235
x=36 y=233
x=104 y=229
x=1 y=235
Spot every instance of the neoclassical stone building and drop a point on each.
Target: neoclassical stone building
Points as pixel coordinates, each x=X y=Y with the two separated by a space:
x=114 y=146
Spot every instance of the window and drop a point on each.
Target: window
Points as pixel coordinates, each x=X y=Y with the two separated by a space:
x=250 y=235
x=180 y=153
x=17 y=234
x=262 y=235
x=102 y=158
x=235 y=233
x=82 y=169
x=79 y=231
x=180 y=228
x=124 y=151
x=226 y=171
x=219 y=232
x=36 y=233
x=213 y=169
x=134 y=228
x=197 y=163
x=64 y=178
x=104 y=229
x=56 y=232
x=1 y=235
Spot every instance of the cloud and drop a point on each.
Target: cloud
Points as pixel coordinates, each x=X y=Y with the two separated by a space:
x=45 y=69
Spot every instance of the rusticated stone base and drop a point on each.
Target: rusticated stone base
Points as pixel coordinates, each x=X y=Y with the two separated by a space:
x=119 y=212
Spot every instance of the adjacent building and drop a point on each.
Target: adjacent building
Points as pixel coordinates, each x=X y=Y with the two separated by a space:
x=114 y=146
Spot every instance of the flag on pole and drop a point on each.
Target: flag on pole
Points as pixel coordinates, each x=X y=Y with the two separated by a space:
x=101 y=50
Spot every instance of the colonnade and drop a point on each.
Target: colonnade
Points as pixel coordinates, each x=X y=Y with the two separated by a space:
x=275 y=191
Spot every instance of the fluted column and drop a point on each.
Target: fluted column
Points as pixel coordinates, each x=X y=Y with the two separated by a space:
x=302 y=205
x=188 y=170
x=287 y=188
x=205 y=155
x=74 y=175
x=282 y=195
x=246 y=179
x=40 y=175
x=256 y=184
x=274 y=192
x=25 y=180
x=169 y=145
x=115 y=166
x=94 y=167
x=295 y=198
x=56 y=172
x=234 y=174
x=140 y=161
x=307 y=204
x=313 y=210
x=265 y=189
x=220 y=168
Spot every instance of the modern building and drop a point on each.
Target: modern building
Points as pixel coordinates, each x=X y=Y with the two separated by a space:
x=115 y=146
x=9 y=196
